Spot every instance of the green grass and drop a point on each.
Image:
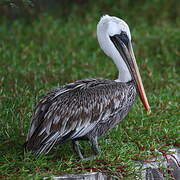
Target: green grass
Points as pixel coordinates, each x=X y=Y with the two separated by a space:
x=53 y=50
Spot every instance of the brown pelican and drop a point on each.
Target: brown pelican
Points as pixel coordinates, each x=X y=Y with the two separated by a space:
x=87 y=109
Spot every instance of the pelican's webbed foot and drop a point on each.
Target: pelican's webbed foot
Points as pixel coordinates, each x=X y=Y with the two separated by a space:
x=94 y=145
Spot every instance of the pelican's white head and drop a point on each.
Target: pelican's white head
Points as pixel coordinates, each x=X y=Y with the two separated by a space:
x=112 y=25
x=107 y=27
x=114 y=38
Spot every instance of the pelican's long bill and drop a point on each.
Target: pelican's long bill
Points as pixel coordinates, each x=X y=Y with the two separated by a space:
x=124 y=46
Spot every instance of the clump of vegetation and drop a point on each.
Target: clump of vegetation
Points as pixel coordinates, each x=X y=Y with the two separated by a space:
x=56 y=48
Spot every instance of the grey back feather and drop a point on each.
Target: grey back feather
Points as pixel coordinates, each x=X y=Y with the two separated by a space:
x=77 y=109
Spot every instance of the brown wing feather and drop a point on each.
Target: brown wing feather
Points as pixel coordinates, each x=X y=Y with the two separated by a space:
x=74 y=110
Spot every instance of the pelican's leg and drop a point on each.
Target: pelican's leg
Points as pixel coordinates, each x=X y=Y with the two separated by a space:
x=94 y=145
x=95 y=148
x=77 y=147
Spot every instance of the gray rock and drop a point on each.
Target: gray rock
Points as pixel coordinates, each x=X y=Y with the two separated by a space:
x=171 y=162
x=86 y=176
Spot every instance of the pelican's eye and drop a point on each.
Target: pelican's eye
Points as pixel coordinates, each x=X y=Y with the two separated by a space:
x=120 y=38
x=124 y=38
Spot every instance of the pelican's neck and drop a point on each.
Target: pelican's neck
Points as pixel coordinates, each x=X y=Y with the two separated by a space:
x=124 y=74
x=110 y=50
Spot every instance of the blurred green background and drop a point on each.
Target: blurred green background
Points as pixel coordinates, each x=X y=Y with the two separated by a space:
x=44 y=44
